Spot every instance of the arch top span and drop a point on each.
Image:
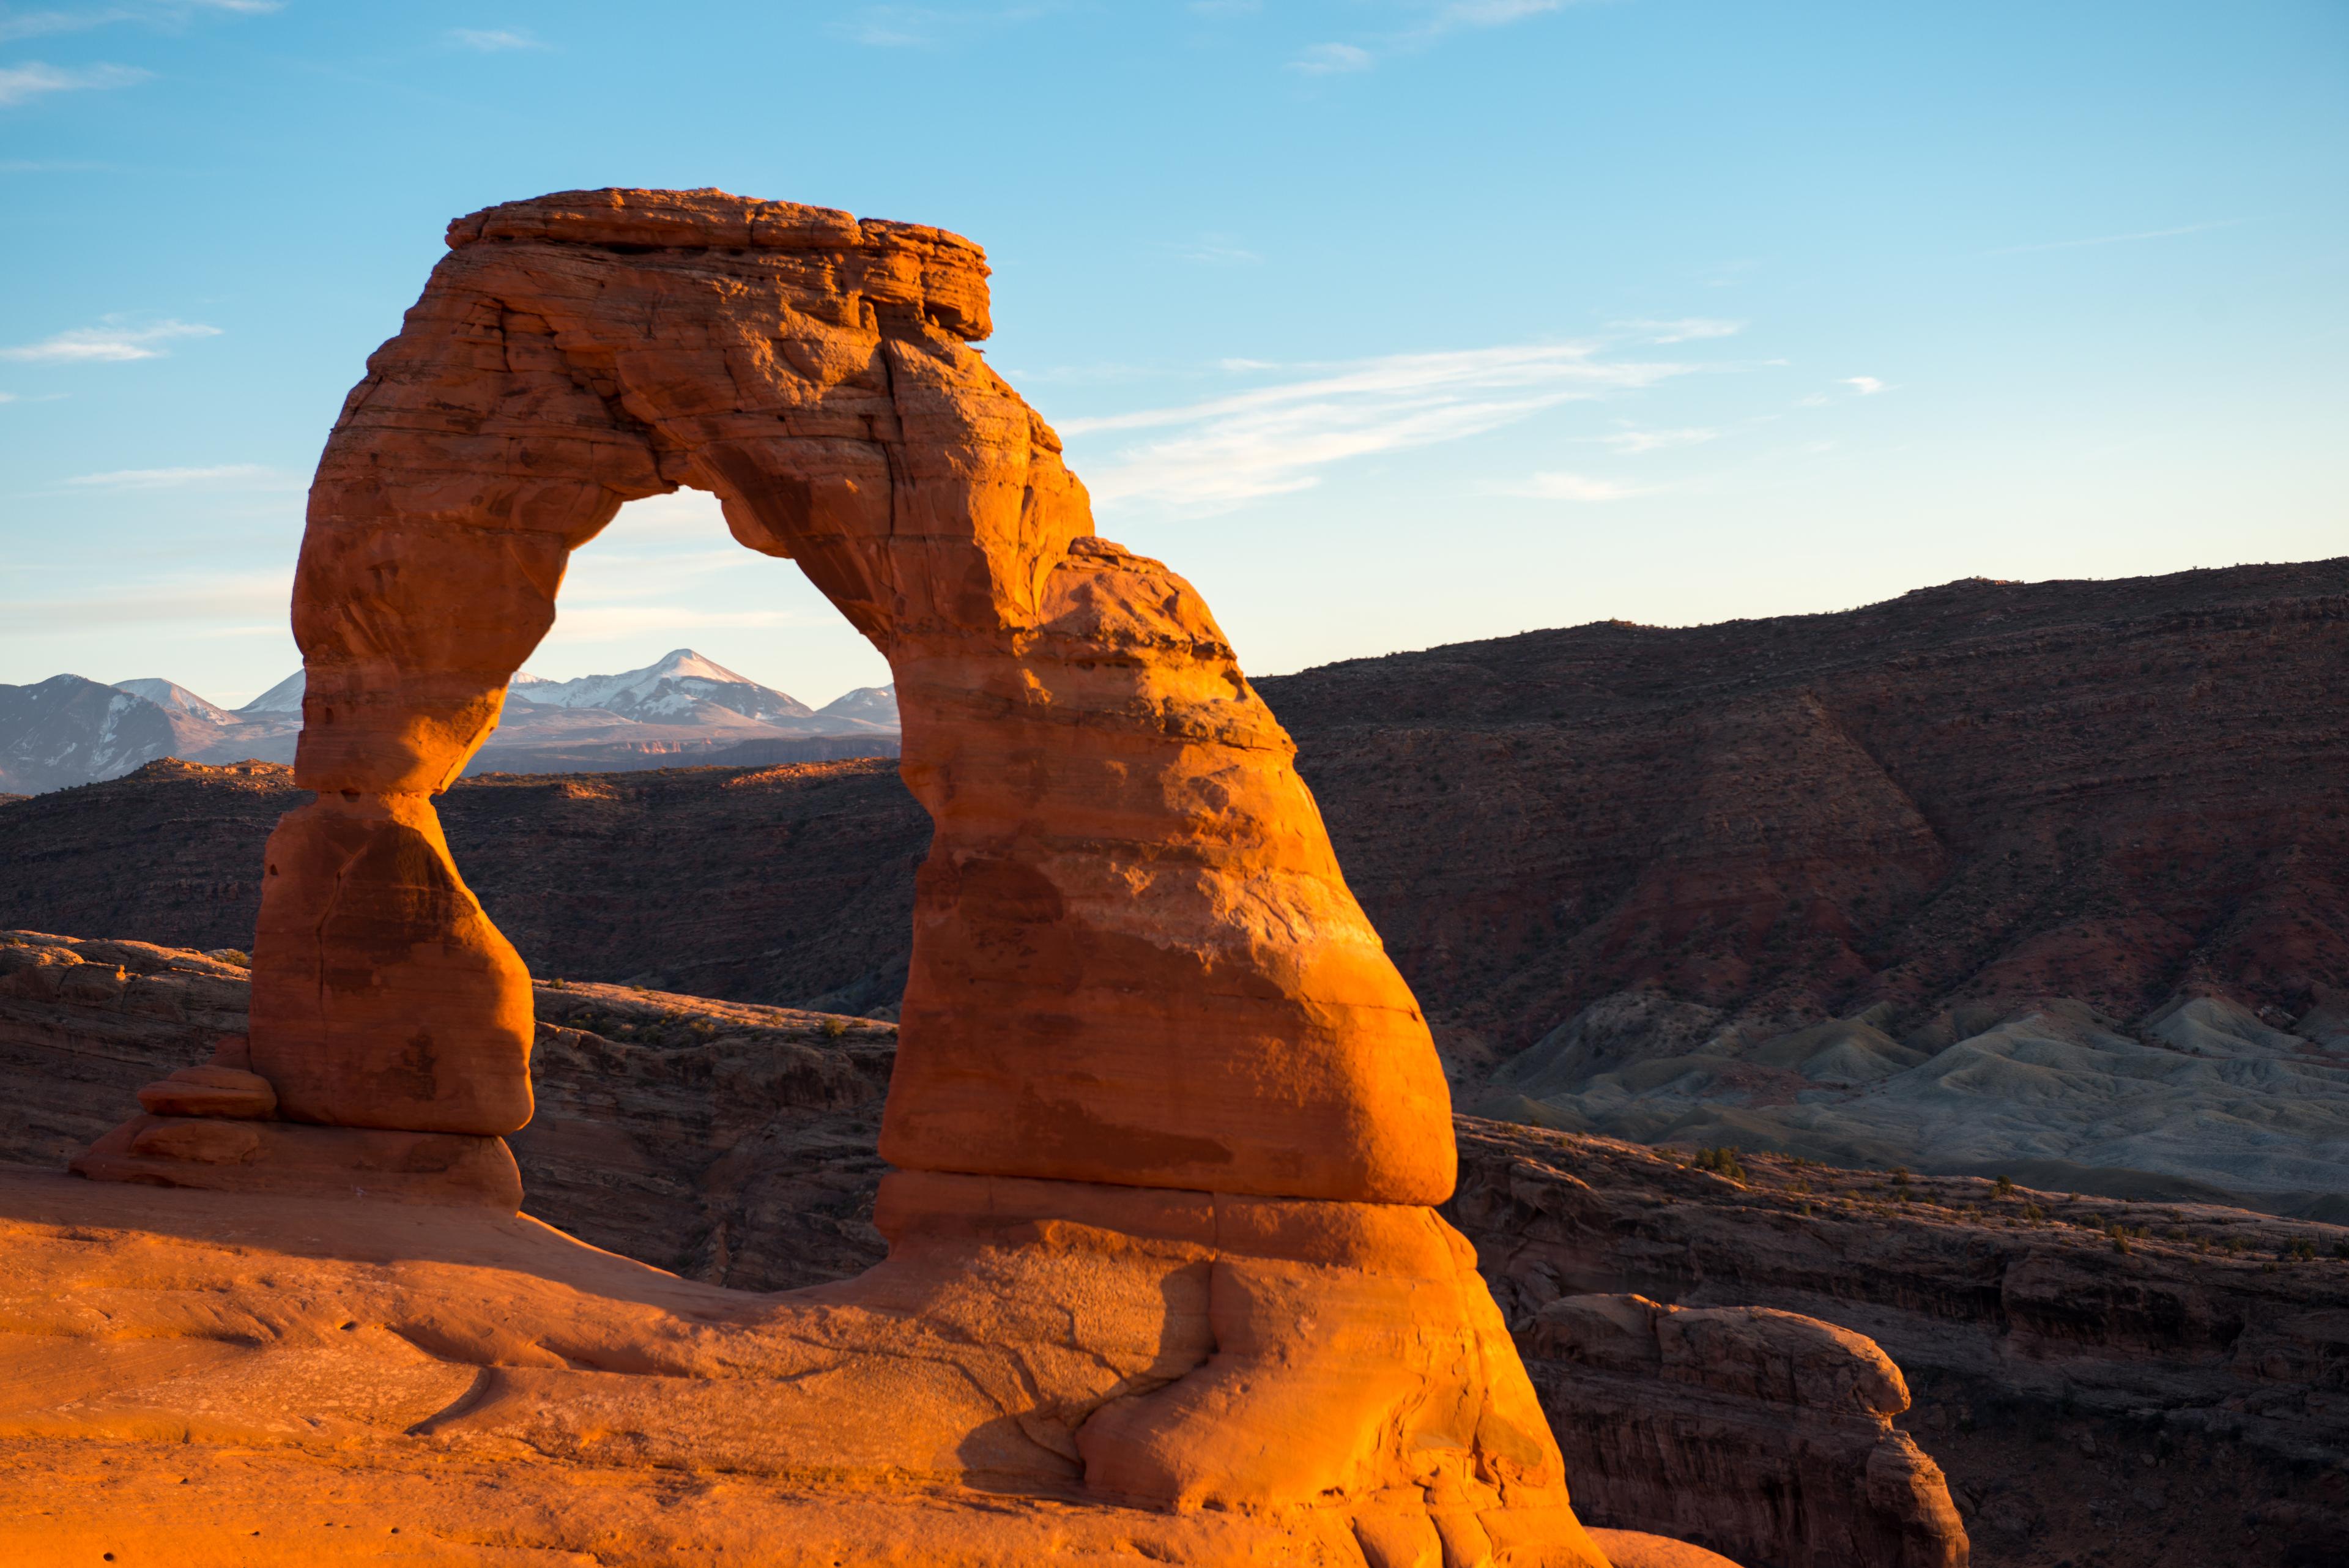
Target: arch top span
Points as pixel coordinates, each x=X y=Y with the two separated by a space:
x=1135 y=958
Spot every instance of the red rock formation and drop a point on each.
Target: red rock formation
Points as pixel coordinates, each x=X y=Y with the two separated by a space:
x=1134 y=959
x=1799 y=1410
x=1167 y=1120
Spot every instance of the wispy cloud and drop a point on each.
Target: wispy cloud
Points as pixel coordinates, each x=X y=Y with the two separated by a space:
x=1866 y=385
x=244 y=600
x=1686 y=330
x=1435 y=22
x=1217 y=250
x=927 y=26
x=247 y=476
x=494 y=40
x=2117 y=239
x=1332 y=59
x=163 y=13
x=111 y=343
x=1579 y=488
x=1458 y=13
x=19 y=84
x=1273 y=440
x=1633 y=443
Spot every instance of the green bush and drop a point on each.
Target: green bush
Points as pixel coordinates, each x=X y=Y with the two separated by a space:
x=1722 y=1162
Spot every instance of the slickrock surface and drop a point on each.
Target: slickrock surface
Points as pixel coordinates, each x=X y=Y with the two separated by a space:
x=1166 y=1123
x=205 y=1378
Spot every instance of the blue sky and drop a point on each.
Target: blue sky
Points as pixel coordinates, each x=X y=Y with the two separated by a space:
x=1389 y=324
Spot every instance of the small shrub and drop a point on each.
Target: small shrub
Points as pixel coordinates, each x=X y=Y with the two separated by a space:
x=2341 y=1249
x=558 y=985
x=834 y=1028
x=2033 y=1212
x=2301 y=1252
x=2005 y=1187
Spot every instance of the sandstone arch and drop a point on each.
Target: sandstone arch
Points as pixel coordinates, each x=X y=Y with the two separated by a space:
x=1135 y=961
x=1166 y=1121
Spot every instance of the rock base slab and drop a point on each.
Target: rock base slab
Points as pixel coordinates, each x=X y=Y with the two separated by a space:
x=293 y=1160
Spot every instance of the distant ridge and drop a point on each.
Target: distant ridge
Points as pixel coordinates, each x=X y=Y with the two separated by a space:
x=683 y=708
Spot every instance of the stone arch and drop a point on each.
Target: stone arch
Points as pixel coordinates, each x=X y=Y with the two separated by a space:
x=1136 y=960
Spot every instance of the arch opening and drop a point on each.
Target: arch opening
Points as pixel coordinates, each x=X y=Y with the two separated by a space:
x=1135 y=961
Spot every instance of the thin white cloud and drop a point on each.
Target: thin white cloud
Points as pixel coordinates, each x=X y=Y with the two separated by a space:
x=1486 y=14
x=241 y=600
x=167 y=14
x=1866 y=385
x=1579 y=488
x=19 y=84
x=248 y=475
x=1633 y=443
x=1270 y=441
x=494 y=40
x=1451 y=17
x=112 y=342
x=1332 y=59
x=1217 y=250
x=925 y=27
x=1686 y=330
x=2117 y=239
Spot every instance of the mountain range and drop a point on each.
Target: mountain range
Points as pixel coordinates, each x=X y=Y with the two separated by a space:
x=682 y=707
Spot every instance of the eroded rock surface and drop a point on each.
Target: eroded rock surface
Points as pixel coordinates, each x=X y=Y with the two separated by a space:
x=1798 y=1411
x=1161 y=1110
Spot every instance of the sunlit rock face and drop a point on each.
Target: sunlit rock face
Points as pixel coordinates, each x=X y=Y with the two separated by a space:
x=1168 y=1123
x=1136 y=960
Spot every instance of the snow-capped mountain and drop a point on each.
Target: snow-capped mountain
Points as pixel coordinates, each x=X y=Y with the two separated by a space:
x=872 y=704
x=681 y=688
x=678 y=711
x=285 y=697
x=173 y=698
x=69 y=730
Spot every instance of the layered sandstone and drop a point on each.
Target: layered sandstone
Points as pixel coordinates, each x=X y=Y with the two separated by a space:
x=1166 y=1125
